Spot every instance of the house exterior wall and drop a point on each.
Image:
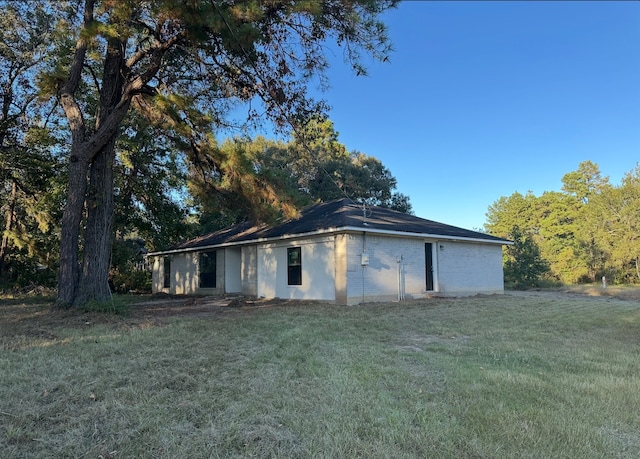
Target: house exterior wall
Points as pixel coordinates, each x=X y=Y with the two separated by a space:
x=249 y=270
x=395 y=267
x=318 y=269
x=157 y=275
x=346 y=268
x=181 y=279
x=341 y=264
x=232 y=276
x=468 y=268
x=184 y=279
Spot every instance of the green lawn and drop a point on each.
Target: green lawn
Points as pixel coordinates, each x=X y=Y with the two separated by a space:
x=523 y=375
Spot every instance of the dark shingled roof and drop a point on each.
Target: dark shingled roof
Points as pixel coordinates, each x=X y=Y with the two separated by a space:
x=338 y=214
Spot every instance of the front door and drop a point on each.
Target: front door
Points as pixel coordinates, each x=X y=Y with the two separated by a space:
x=428 y=256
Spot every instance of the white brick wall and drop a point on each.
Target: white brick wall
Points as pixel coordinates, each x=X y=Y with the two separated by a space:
x=249 y=270
x=318 y=270
x=379 y=279
x=157 y=273
x=466 y=268
x=459 y=268
x=231 y=276
x=184 y=279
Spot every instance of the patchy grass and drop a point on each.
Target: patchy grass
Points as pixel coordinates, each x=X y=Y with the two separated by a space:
x=528 y=374
x=627 y=292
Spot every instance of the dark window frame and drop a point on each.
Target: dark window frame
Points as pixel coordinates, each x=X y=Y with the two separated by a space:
x=429 y=265
x=294 y=266
x=166 y=282
x=208 y=270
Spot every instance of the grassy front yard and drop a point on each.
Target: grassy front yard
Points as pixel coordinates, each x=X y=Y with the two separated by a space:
x=521 y=375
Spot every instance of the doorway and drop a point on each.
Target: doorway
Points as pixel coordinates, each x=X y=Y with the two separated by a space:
x=428 y=257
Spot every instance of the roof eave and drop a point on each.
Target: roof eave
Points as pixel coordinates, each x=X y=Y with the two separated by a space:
x=352 y=229
x=426 y=235
x=260 y=240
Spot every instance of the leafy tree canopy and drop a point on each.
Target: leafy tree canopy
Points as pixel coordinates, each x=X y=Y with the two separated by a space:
x=31 y=185
x=263 y=180
x=590 y=229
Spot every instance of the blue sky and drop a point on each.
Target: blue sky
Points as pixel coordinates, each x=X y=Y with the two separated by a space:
x=482 y=99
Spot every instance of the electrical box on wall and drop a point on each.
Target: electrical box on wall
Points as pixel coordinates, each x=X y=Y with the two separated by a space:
x=364 y=259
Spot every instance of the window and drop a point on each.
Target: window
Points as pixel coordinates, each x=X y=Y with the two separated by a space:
x=208 y=270
x=167 y=273
x=294 y=266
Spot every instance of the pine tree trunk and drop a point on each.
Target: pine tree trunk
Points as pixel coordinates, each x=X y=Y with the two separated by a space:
x=78 y=167
x=68 y=274
x=94 y=280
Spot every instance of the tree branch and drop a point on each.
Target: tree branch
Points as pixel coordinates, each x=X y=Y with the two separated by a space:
x=137 y=85
x=67 y=94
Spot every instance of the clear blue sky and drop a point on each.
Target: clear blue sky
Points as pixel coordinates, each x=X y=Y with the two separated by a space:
x=482 y=99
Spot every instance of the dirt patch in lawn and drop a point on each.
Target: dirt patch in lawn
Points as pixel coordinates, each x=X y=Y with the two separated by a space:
x=179 y=305
x=32 y=318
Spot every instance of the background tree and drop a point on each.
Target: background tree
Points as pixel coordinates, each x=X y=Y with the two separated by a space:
x=360 y=177
x=184 y=60
x=150 y=209
x=558 y=221
x=617 y=213
x=150 y=191
x=584 y=182
x=28 y=166
x=583 y=185
x=230 y=185
x=584 y=232
x=524 y=266
x=319 y=167
x=507 y=212
x=264 y=180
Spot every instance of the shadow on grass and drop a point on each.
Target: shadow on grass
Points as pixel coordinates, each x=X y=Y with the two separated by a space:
x=29 y=317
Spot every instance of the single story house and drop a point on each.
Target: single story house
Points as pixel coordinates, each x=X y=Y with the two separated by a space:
x=338 y=251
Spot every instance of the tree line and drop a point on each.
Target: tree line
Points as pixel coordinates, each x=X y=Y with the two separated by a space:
x=589 y=229
x=110 y=118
